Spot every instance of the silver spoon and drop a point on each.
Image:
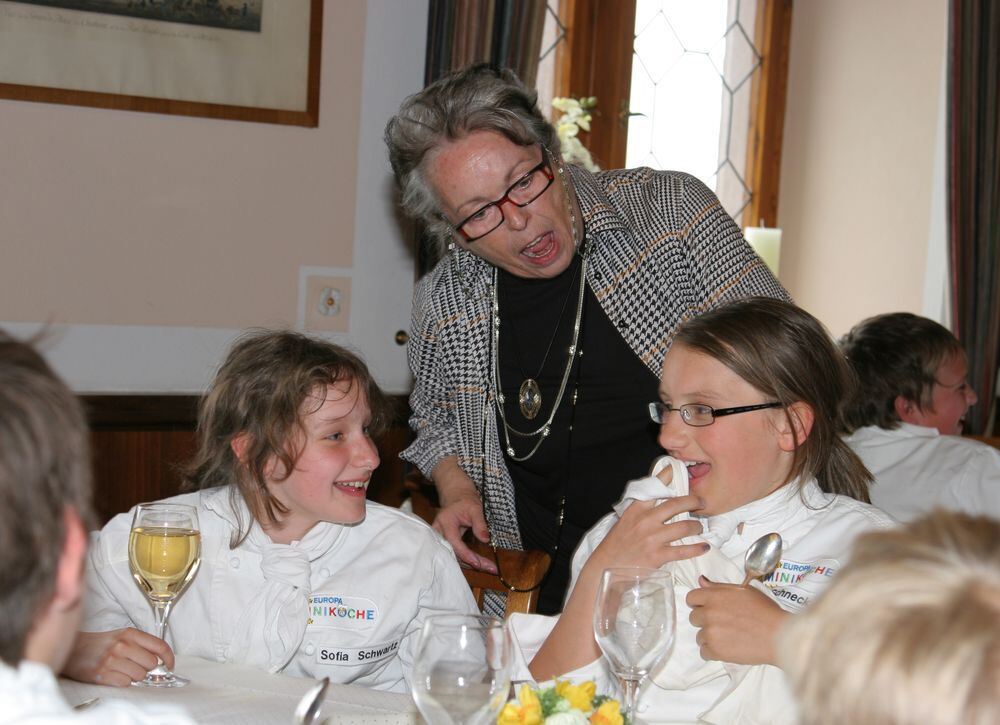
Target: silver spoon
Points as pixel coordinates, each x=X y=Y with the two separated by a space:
x=762 y=557
x=307 y=710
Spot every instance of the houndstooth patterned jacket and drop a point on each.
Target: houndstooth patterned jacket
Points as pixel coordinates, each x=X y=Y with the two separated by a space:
x=662 y=250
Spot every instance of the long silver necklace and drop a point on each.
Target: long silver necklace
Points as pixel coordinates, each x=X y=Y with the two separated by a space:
x=543 y=431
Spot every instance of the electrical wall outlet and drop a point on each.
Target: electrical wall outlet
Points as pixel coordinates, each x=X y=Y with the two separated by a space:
x=327 y=303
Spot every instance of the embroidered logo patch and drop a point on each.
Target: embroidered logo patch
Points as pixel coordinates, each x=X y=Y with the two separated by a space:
x=331 y=610
x=349 y=656
x=794 y=584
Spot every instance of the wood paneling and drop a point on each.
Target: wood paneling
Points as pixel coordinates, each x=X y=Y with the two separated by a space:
x=141 y=443
x=598 y=63
x=769 y=88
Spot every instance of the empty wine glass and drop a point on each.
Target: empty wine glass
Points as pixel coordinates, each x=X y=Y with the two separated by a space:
x=461 y=673
x=164 y=551
x=634 y=624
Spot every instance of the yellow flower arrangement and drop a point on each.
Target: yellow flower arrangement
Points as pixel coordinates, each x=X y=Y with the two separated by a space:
x=563 y=704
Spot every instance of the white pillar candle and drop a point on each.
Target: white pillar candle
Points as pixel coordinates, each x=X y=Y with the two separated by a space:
x=767 y=243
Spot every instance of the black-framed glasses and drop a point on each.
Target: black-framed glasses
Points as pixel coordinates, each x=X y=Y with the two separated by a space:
x=698 y=415
x=521 y=193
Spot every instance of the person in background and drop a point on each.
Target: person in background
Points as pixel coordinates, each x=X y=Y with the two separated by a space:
x=45 y=488
x=909 y=632
x=299 y=573
x=539 y=337
x=748 y=407
x=905 y=419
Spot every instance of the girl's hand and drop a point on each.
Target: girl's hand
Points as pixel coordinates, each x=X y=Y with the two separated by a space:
x=643 y=536
x=116 y=658
x=736 y=624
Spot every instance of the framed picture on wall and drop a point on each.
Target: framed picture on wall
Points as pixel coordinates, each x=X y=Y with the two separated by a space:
x=249 y=60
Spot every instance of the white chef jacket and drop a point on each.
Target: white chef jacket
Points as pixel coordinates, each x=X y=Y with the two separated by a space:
x=345 y=602
x=29 y=695
x=917 y=469
x=817 y=529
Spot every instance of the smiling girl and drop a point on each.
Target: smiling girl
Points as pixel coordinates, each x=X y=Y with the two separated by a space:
x=749 y=401
x=299 y=572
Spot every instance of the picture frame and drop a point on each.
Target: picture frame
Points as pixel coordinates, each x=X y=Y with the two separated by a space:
x=92 y=53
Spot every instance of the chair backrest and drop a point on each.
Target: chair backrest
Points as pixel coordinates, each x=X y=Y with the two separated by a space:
x=521 y=569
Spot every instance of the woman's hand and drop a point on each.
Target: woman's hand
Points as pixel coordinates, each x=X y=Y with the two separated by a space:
x=461 y=510
x=116 y=658
x=736 y=624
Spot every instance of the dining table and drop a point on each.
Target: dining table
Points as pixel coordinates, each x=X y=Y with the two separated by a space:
x=223 y=693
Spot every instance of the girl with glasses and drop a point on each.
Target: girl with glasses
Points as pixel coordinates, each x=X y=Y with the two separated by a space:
x=748 y=406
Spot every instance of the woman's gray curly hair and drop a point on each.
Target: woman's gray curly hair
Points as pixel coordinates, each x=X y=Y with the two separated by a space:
x=478 y=98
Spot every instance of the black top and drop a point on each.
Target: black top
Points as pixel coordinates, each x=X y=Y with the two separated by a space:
x=612 y=439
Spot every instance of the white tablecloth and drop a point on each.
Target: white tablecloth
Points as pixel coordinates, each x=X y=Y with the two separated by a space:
x=223 y=693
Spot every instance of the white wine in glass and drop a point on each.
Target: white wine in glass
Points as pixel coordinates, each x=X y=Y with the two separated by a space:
x=461 y=673
x=164 y=551
x=634 y=624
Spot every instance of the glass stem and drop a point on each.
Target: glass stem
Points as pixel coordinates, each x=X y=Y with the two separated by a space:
x=631 y=689
x=161 y=611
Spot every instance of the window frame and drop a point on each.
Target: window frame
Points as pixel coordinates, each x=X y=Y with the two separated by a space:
x=596 y=60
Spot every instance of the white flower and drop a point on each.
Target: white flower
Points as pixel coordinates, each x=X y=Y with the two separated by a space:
x=573 y=717
x=576 y=116
x=575 y=152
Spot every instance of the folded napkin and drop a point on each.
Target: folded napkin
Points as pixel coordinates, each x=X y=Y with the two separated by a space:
x=273 y=624
x=756 y=693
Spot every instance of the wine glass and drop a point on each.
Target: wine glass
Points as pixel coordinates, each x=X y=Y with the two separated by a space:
x=634 y=624
x=164 y=551
x=461 y=673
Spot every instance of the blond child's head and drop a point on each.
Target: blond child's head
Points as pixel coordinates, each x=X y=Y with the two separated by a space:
x=287 y=417
x=909 y=631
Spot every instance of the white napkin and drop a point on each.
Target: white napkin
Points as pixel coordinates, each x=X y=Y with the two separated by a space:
x=273 y=623
x=756 y=693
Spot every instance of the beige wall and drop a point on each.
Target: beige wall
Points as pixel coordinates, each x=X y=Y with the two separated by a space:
x=120 y=218
x=146 y=242
x=858 y=164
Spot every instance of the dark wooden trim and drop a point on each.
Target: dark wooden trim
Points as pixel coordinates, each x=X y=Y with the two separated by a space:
x=768 y=92
x=110 y=412
x=600 y=39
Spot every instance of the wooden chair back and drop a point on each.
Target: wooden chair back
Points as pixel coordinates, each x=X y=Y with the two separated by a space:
x=521 y=569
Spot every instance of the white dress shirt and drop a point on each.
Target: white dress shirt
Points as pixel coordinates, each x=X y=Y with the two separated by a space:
x=917 y=469
x=345 y=602
x=29 y=695
x=817 y=530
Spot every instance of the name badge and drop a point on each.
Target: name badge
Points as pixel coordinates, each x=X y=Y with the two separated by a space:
x=332 y=610
x=794 y=584
x=349 y=657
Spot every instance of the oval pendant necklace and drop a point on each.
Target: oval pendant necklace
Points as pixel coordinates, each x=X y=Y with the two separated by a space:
x=529 y=394
x=529 y=398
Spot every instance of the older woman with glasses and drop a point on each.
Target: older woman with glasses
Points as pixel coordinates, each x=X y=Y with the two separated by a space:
x=538 y=339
